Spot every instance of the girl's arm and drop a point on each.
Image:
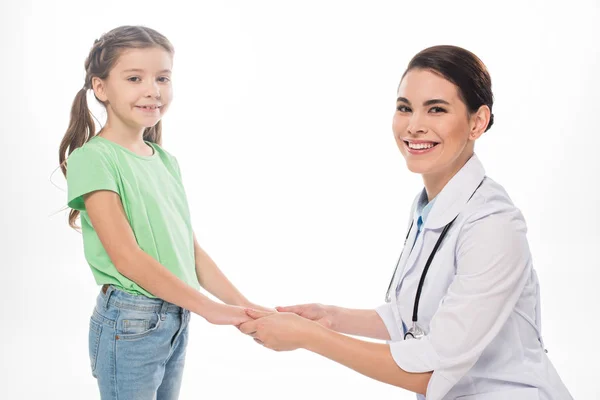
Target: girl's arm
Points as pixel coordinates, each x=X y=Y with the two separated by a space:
x=215 y=282
x=110 y=223
x=285 y=331
x=355 y=322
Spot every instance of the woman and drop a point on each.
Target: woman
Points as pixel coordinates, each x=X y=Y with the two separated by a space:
x=462 y=312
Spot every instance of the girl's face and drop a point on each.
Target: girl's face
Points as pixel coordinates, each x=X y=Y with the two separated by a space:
x=431 y=125
x=138 y=89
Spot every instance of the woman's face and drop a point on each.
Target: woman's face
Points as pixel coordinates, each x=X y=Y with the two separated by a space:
x=432 y=126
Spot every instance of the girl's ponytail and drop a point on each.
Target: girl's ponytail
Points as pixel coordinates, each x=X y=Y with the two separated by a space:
x=81 y=129
x=154 y=133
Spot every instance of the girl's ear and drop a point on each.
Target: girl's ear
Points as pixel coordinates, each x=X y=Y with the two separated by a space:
x=479 y=122
x=99 y=88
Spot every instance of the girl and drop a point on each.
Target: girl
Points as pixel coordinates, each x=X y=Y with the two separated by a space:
x=137 y=234
x=462 y=312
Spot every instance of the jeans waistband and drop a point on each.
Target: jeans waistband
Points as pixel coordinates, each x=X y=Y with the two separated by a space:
x=110 y=295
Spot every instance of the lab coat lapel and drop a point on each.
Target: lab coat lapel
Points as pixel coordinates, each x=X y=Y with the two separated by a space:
x=448 y=204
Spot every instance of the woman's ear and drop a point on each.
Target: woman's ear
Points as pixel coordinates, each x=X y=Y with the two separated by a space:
x=99 y=88
x=479 y=122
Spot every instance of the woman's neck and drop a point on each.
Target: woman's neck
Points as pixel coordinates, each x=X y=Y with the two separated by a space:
x=435 y=182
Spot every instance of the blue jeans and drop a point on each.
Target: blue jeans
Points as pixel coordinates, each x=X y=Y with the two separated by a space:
x=137 y=346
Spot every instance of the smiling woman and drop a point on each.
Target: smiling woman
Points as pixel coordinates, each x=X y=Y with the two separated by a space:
x=444 y=104
x=462 y=313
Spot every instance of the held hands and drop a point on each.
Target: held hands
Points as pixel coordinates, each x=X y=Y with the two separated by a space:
x=278 y=331
x=322 y=314
x=222 y=314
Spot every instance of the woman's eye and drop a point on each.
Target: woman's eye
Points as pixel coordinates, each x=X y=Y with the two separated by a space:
x=402 y=108
x=134 y=79
x=437 y=110
x=164 y=79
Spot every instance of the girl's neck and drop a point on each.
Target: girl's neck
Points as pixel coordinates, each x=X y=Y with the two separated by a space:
x=126 y=136
x=435 y=182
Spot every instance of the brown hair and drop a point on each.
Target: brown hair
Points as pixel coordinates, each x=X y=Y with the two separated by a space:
x=101 y=59
x=462 y=68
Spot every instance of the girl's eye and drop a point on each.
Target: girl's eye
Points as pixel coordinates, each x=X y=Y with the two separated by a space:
x=437 y=110
x=164 y=79
x=403 y=109
x=134 y=79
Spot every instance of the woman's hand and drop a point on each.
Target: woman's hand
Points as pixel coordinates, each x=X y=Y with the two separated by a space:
x=322 y=314
x=278 y=331
x=222 y=314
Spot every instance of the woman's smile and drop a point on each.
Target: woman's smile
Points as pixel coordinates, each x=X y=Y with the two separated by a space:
x=419 y=147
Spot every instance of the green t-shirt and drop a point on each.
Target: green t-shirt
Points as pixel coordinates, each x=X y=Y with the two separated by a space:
x=154 y=201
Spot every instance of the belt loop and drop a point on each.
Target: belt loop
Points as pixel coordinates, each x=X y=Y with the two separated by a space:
x=109 y=291
x=163 y=310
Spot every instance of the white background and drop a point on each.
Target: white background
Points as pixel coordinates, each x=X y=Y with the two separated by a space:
x=282 y=126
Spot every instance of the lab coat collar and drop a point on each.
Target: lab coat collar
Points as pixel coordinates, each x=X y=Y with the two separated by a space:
x=454 y=196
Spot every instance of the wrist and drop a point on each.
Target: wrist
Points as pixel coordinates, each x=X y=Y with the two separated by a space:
x=202 y=306
x=240 y=301
x=310 y=337
x=335 y=315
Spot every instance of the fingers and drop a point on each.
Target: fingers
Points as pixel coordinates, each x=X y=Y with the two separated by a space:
x=298 y=309
x=249 y=327
x=255 y=314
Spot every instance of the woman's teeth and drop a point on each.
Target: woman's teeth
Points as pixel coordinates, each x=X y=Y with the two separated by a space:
x=420 y=146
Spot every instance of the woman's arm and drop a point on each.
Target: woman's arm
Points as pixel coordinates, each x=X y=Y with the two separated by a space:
x=355 y=322
x=285 y=331
x=215 y=282
x=110 y=223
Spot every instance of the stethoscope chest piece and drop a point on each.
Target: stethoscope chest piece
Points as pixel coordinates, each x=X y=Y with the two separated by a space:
x=415 y=332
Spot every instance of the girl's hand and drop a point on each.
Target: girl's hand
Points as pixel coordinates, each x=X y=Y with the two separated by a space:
x=222 y=314
x=324 y=315
x=259 y=308
x=278 y=331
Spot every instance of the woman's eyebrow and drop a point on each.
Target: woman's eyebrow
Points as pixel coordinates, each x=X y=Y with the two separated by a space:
x=435 y=101
x=426 y=103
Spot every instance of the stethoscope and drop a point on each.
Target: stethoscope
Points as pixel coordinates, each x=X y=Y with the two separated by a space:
x=415 y=331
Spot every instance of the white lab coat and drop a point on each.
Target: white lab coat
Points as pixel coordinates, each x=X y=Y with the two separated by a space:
x=480 y=304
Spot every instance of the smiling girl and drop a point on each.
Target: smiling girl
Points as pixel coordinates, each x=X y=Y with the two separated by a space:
x=137 y=232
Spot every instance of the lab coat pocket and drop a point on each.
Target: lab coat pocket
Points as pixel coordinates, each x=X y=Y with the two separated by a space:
x=512 y=394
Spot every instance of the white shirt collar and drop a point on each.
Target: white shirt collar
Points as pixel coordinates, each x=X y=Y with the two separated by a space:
x=454 y=196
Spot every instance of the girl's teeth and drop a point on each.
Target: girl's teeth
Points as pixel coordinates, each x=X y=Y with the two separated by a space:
x=420 y=146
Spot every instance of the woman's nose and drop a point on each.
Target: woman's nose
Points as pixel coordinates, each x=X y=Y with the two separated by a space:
x=416 y=125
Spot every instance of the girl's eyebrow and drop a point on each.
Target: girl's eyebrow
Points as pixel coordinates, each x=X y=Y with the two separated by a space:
x=426 y=103
x=164 y=71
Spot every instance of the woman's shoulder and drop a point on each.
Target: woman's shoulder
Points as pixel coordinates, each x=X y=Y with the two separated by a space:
x=491 y=203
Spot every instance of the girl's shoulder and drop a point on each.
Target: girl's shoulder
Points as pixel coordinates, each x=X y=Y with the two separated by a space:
x=92 y=151
x=160 y=151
